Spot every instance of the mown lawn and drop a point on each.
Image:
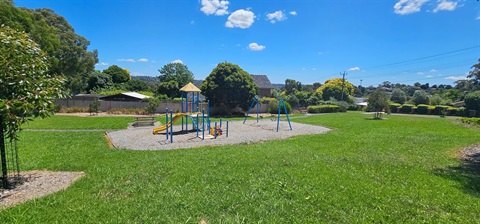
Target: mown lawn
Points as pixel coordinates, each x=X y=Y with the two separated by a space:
x=400 y=170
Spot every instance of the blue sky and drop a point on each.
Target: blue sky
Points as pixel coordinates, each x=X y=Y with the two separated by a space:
x=401 y=41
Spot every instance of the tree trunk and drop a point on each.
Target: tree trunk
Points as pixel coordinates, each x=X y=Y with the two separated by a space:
x=3 y=156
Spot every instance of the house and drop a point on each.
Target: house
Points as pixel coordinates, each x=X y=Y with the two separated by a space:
x=264 y=85
x=89 y=97
x=126 y=97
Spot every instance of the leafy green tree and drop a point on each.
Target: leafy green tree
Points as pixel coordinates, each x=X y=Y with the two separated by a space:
x=291 y=85
x=171 y=74
x=98 y=80
x=119 y=75
x=378 y=102
x=137 y=85
x=472 y=101
x=436 y=100
x=475 y=74
x=420 y=97
x=398 y=96
x=333 y=89
x=228 y=86
x=26 y=89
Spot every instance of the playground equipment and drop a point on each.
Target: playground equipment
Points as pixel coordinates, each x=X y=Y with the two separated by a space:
x=281 y=104
x=192 y=109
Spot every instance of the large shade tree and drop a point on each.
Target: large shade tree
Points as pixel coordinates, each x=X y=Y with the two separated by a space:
x=27 y=90
x=333 y=89
x=173 y=76
x=475 y=75
x=228 y=86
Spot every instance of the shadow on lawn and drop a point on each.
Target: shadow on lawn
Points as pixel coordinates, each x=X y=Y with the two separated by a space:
x=467 y=173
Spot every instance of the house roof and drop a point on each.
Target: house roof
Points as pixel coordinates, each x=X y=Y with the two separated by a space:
x=262 y=81
x=127 y=96
x=190 y=88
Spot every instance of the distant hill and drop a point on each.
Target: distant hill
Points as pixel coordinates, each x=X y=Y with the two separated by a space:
x=278 y=86
x=151 y=80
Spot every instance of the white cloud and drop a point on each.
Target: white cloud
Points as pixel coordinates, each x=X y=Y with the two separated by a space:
x=314 y=69
x=240 y=18
x=433 y=70
x=256 y=47
x=478 y=18
x=354 y=69
x=293 y=13
x=142 y=60
x=102 y=64
x=177 y=61
x=126 y=60
x=405 y=7
x=456 y=78
x=320 y=52
x=445 y=5
x=216 y=7
x=420 y=73
x=276 y=16
x=429 y=76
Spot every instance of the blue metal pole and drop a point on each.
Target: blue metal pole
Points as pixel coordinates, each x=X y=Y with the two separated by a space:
x=227 y=129
x=166 y=123
x=248 y=111
x=203 y=124
x=256 y=109
x=171 y=126
x=288 y=118
x=278 y=119
x=215 y=130
x=220 y=122
x=208 y=115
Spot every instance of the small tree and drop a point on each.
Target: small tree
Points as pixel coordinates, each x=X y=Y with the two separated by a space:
x=420 y=97
x=472 y=101
x=398 y=96
x=173 y=77
x=26 y=90
x=94 y=107
x=152 y=105
x=228 y=86
x=378 y=102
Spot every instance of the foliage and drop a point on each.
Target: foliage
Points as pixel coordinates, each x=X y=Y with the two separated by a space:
x=293 y=101
x=472 y=100
x=72 y=110
x=436 y=100
x=152 y=105
x=471 y=121
x=136 y=85
x=132 y=111
x=398 y=96
x=26 y=89
x=407 y=108
x=67 y=51
x=291 y=86
x=94 y=107
x=420 y=97
x=228 y=86
x=333 y=88
x=378 y=102
x=323 y=109
x=118 y=75
x=394 y=107
x=273 y=107
x=422 y=109
x=173 y=76
x=98 y=80
x=475 y=74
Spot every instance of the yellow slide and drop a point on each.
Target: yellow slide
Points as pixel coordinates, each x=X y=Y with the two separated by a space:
x=165 y=126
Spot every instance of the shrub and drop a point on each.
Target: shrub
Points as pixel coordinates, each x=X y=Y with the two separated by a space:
x=422 y=109
x=133 y=111
x=406 y=108
x=420 y=97
x=94 y=107
x=439 y=110
x=394 y=107
x=323 y=109
x=472 y=100
x=471 y=121
x=152 y=105
x=273 y=107
x=74 y=110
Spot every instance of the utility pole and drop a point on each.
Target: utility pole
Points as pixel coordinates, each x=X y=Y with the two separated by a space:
x=343 y=84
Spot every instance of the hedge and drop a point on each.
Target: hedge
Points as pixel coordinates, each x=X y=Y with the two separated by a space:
x=406 y=108
x=422 y=109
x=323 y=109
x=394 y=107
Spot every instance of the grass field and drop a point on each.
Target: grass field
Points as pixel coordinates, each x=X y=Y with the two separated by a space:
x=400 y=170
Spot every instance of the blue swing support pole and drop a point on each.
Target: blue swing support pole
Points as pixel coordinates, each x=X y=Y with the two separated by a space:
x=254 y=102
x=280 y=104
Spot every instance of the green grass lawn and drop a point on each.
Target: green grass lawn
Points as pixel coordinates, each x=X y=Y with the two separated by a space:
x=400 y=170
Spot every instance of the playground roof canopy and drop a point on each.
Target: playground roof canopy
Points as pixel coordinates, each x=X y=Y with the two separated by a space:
x=190 y=88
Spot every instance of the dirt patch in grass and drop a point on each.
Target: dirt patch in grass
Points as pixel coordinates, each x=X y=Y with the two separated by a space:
x=36 y=184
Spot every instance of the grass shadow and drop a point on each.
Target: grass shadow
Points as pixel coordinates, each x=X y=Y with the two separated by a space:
x=467 y=173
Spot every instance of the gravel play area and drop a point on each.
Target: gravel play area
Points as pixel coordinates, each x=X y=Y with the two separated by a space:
x=141 y=138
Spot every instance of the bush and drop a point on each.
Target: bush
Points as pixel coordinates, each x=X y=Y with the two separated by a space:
x=74 y=110
x=420 y=97
x=394 y=107
x=323 y=109
x=441 y=110
x=132 y=111
x=422 y=109
x=471 y=121
x=406 y=108
x=273 y=107
x=472 y=101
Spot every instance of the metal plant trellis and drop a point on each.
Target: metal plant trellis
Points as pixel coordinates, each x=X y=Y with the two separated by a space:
x=9 y=160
